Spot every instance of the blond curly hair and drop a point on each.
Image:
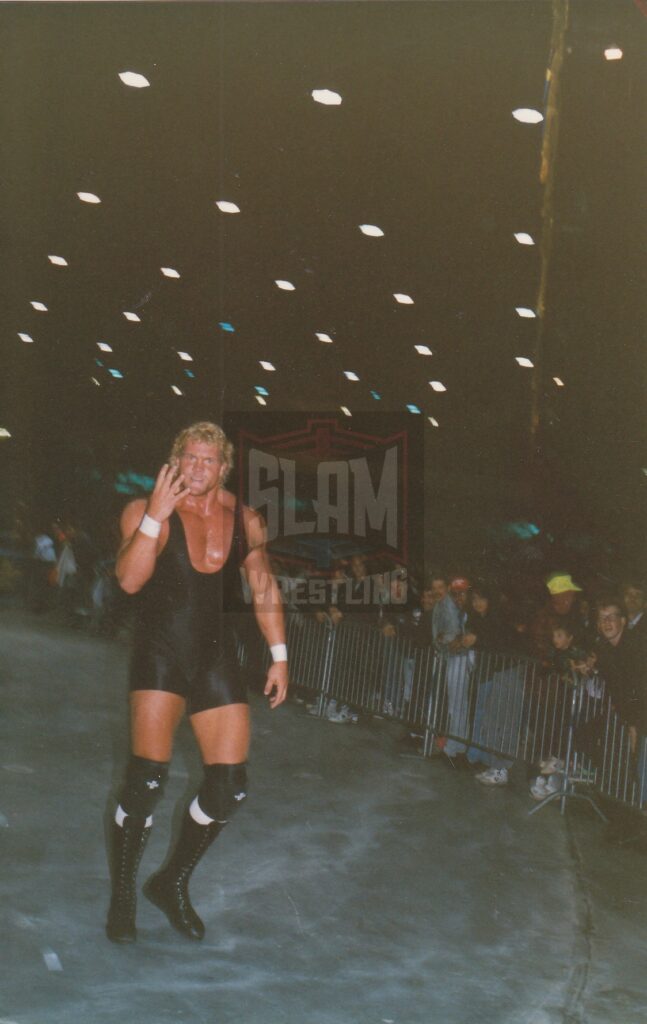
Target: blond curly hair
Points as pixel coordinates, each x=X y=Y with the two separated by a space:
x=208 y=433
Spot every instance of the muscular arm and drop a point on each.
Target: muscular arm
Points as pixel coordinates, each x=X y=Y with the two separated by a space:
x=268 y=606
x=138 y=553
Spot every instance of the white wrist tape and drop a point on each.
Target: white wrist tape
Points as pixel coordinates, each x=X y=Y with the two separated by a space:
x=150 y=527
x=279 y=652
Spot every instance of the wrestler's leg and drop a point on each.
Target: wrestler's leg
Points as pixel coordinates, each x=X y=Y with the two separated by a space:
x=223 y=738
x=154 y=719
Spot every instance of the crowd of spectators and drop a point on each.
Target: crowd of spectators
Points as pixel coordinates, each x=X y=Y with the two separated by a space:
x=483 y=635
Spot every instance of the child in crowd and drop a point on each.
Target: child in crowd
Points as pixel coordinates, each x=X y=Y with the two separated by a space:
x=567 y=657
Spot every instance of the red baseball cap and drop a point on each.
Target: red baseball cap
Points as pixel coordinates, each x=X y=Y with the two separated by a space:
x=459 y=583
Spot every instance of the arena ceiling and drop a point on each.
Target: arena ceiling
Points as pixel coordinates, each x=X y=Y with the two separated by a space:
x=423 y=146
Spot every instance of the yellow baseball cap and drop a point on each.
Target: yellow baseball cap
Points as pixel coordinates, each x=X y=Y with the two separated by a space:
x=561 y=583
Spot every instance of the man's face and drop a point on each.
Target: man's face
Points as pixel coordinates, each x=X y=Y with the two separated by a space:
x=202 y=465
x=358 y=567
x=562 y=603
x=634 y=600
x=460 y=599
x=438 y=589
x=427 y=600
x=611 y=623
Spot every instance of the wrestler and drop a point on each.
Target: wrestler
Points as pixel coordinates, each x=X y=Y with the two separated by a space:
x=181 y=553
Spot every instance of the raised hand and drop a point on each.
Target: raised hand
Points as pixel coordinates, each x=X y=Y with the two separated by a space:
x=168 y=491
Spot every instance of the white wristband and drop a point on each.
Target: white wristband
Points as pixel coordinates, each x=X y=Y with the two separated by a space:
x=279 y=652
x=150 y=527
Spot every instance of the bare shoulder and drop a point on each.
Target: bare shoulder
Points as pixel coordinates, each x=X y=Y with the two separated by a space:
x=227 y=499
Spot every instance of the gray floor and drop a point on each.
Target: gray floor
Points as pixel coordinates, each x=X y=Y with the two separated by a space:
x=357 y=886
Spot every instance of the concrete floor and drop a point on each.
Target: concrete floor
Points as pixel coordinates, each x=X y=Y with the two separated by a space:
x=359 y=885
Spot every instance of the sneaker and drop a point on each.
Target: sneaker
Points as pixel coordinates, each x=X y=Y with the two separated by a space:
x=387 y=708
x=551 y=765
x=543 y=787
x=493 y=777
x=349 y=714
x=343 y=715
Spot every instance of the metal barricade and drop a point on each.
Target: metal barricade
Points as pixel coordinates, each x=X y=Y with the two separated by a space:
x=489 y=705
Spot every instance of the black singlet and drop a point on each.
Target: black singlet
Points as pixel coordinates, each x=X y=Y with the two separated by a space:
x=182 y=642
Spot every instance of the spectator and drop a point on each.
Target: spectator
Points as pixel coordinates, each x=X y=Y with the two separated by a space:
x=562 y=607
x=446 y=628
x=499 y=686
x=633 y=597
x=39 y=571
x=620 y=659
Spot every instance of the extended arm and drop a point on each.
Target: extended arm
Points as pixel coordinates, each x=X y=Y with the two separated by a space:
x=268 y=606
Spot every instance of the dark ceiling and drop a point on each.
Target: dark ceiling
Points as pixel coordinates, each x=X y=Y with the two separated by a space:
x=423 y=145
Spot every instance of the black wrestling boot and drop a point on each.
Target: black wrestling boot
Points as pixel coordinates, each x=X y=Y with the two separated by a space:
x=168 y=888
x=128 y=842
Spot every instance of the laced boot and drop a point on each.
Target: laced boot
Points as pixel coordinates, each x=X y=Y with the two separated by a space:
x=168 y=888
x=128 y=842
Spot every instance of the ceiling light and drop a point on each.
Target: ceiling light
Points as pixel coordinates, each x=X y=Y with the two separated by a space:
x=135 y=80
x=226 y=327
x=524 y=238
x=104 y=346
x=285 y=286
x=434 y=422
x=350 y=375
x=525 y=313
x=116 y=373
x=99 y=362
x=4 y=432
x=323 y=337
x=39 y=306
x=25 y=337
x=133 y=317
x=175 y=389
x=226 y=207
x=186 y=357
x=327 y=97
x=413 y=408
x=346 y=411
x=95 y=381
x=405 y=300
x=58 y=261
x=260 y=390
x=437 y=385
x=613 y=53
x=266 y=365
x=88 y=197
x=372 y=230
x=527 y=115
x=376 y=396
x=189 y=374
x=559 y=382
x=169 y=272
x=524 y=362
x=423 y=350
x=260 y=399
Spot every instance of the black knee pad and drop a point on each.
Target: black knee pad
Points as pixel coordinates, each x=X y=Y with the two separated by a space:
x=143 y=786
x=223 y=789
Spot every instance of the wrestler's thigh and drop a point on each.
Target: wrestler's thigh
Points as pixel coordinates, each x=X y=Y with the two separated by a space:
x=154 y=717
x=223 y=733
